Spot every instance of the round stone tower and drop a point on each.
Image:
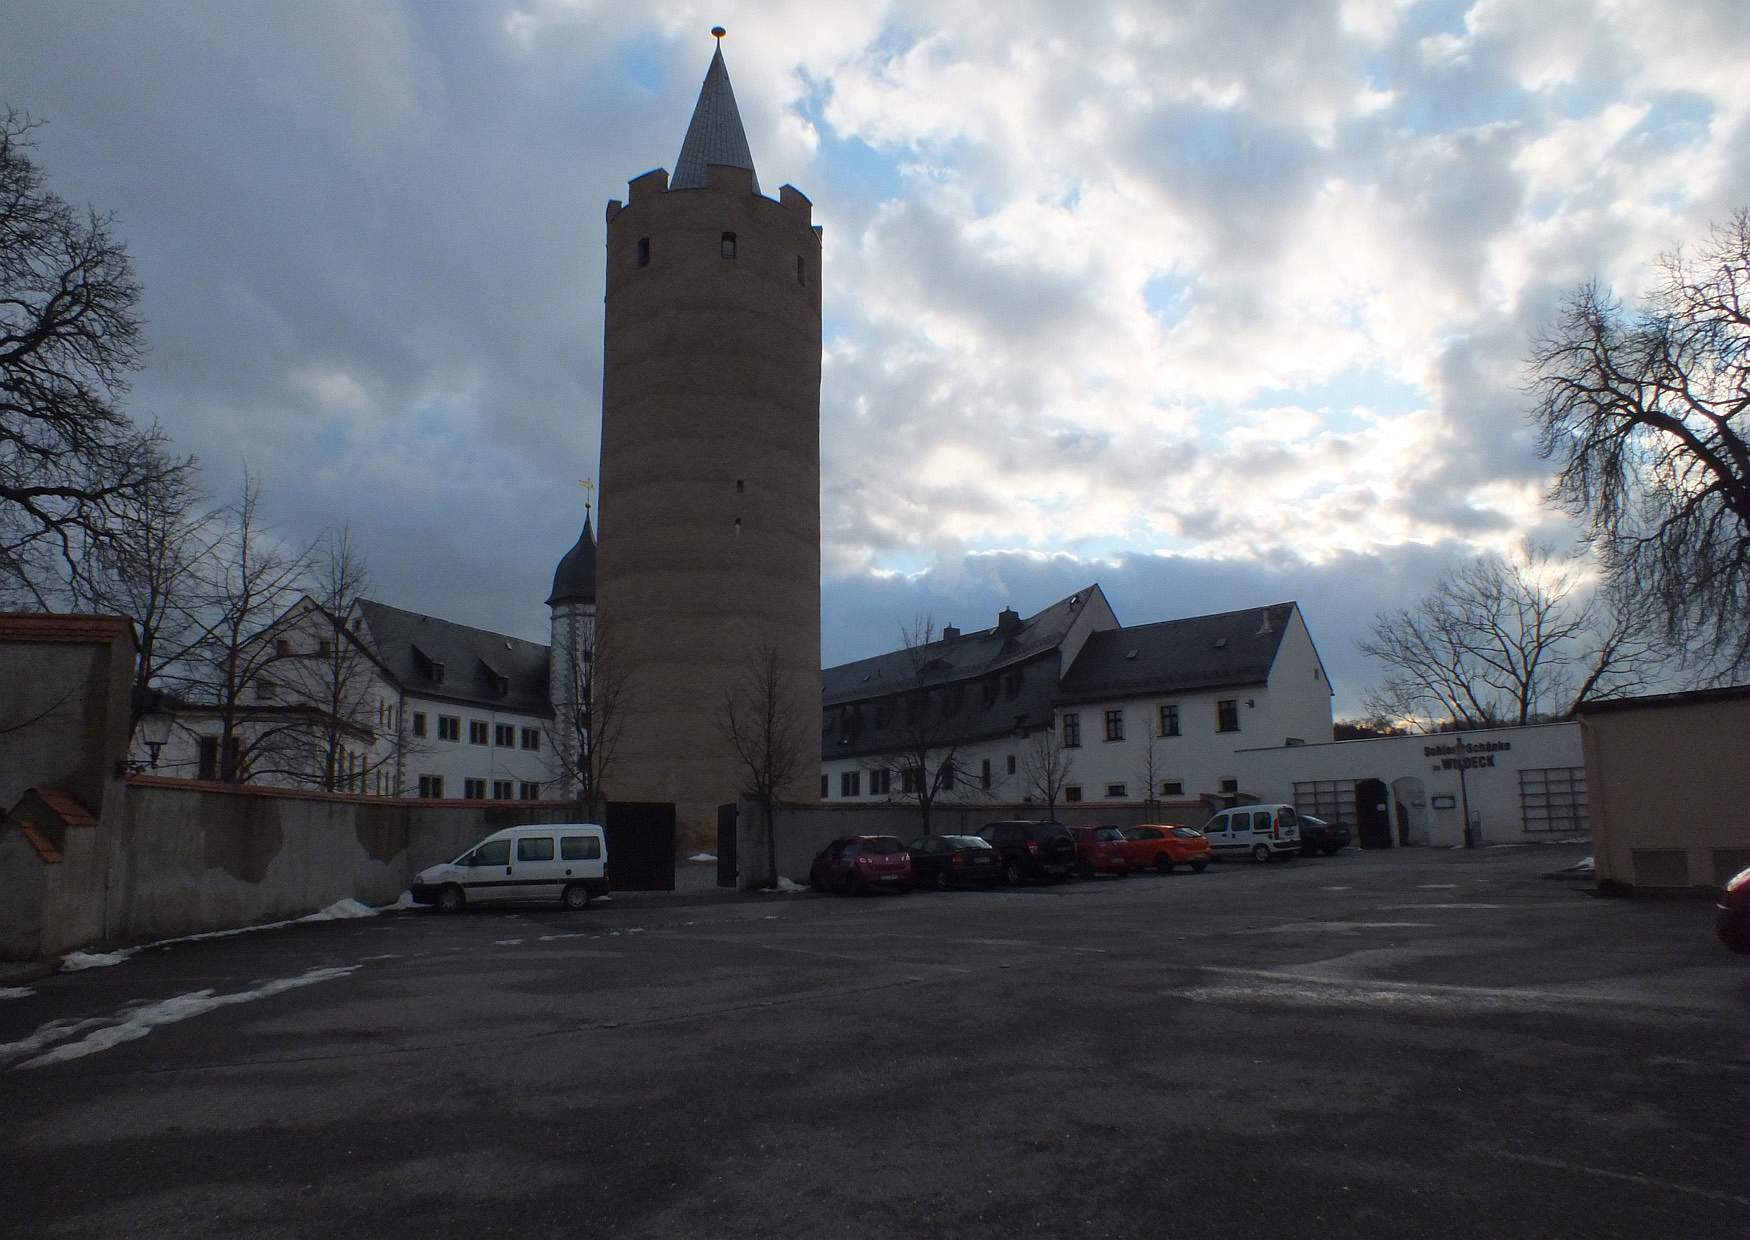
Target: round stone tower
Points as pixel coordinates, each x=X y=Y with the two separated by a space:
x=710 y=469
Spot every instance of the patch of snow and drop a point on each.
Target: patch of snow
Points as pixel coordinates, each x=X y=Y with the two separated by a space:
x=1583 y=866
x=343 y=910
x=15 y=992
x=604 y=899
x=74 y=961
x=136 y=1022
x=790 y=887
x=703 y=856
x=505 y=942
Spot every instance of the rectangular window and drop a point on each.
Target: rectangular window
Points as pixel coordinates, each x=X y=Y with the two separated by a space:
x=644 y=251
x=449 y=727
x=1117 y=790
x=880 y=782
x=209 y=758
x=1172 y=788
x=1230 y=785
x=825 y=787
x=945 y=776
x=1011 y=764
x=1227 y=715
x=1115 y=725
x=532 y=739
x=909 y=781
x=501 y=789
x=1072 y=731
x=984 y=775
x=528 y=792
x=579 y=848
x=728 y=245
x=474 y=789
x=1072 y=792
x=504 y=735
x=264 y=690
x=850 y=783
x=431 y=787
x=477 y=731
x=1170 y=719
x=1553 y=799
x=535 y=848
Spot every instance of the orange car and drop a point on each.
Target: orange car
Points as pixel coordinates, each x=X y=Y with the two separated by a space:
x=1164 y=847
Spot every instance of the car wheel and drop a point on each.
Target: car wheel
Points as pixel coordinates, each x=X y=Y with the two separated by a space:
x=575 y=897
x=814 y=881
x=1012 y=873
x=450 y=899
x=1085 y=869
x=942 y=883
x=1163 y=863
x=1197 y=867
x=849 y=886
x=1260 y=852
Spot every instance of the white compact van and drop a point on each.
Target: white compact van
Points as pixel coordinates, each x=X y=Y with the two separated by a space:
x=563 y=861
x=1264 y=831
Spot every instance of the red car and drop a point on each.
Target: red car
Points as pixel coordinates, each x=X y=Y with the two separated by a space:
x=1100 y=850
x=1164 y=846
x=854 y=864
x=1735 y=913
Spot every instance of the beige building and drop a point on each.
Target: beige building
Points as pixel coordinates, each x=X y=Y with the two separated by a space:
x=710 y=468
x=1670 y=782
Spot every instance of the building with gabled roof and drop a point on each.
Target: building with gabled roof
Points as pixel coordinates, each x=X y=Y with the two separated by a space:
x=1146 y=714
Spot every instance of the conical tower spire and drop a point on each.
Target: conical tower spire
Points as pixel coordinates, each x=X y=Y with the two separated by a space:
x=715 y=135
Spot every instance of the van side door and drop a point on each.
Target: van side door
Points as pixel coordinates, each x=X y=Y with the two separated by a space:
x=1217 y=832
x=536 y=868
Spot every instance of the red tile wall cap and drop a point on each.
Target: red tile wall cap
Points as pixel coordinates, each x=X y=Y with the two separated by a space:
x=65 y=806
x=44 y=848
x=37 y=626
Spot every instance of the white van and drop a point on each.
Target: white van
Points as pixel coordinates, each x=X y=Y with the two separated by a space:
x=1264 y=831
x=564 y=861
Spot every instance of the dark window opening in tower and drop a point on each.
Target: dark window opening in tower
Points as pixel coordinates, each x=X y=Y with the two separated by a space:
x=728 y=245
x=644 y=251
x=801 y=271
x=738 y=527
x=740 y=485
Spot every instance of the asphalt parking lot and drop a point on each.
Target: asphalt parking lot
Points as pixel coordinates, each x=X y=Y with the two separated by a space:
x=1401 y=1044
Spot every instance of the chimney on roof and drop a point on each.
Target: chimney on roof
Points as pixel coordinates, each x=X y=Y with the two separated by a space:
x=1008 y=620
x=949 y=632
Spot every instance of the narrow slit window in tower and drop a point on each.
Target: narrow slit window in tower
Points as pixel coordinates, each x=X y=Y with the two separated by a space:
x=740 y=485
x=644 y=251
x=728 y=245
x=738 y=527
x=801 y=271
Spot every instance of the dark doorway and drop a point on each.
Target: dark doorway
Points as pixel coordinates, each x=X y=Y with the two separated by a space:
x=1403 y=816
x=1372 y=814
x=640 y=845
x=726 y=845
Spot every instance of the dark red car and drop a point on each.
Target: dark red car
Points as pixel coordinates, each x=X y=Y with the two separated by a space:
x=857 y=863
x=1100 y=850
x=1735 y=913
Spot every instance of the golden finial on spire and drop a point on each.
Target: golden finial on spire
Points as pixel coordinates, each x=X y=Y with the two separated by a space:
x=588 y=488
x=717 y=32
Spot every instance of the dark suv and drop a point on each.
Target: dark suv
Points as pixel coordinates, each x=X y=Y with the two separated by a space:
x=1032 y=849
x=1319 y=836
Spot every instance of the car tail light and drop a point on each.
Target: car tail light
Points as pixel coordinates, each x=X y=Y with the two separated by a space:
x=958 y=858
x=1276 y=828
x=1033 y=847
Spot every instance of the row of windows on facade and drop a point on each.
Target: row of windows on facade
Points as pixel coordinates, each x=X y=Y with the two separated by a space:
x=950 y=700
x=431 y=787
x=1227 y=719
x=726 y=247
x=881 y=783
x=352 y=771
x=480 y=732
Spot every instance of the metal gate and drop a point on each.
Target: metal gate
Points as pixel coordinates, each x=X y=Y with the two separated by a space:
x=640 y=845
x=726 y=846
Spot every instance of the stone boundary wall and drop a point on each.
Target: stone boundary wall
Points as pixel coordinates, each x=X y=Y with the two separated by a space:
x=192 y=857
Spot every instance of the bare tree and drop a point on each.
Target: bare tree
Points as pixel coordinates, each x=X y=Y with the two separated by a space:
x=1046 y=765
x=1647 y=412
x=927 y=733
x=254 y=584
x=151 y=569
x=767 y=725
x=1499 y=641
x=70 y=459
x=588 y=716
x=1150 y=771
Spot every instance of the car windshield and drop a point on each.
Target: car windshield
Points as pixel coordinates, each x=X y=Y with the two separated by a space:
x=965 y=841
x=881 y=844
x=1108 y=833
x=1188 y=833
x=1054 y=832
x=1310 y=821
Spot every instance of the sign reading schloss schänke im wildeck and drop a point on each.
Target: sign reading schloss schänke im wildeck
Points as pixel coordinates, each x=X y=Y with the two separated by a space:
x=1465 y=756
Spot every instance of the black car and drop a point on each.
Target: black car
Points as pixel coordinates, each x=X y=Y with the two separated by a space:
x=944 y=861
x=1319 y=836
x=1031 y=850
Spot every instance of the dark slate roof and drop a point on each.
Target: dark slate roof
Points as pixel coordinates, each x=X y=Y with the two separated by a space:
x=715 y=135
x=574 y=580
x=945 y=659
x=1179 y=656
x=983 y=684
x=412 y=647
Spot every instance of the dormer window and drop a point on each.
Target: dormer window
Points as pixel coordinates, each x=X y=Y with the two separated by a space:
x=728 y=245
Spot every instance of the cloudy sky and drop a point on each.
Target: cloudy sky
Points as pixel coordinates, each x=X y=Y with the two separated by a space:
x=1215 y=304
